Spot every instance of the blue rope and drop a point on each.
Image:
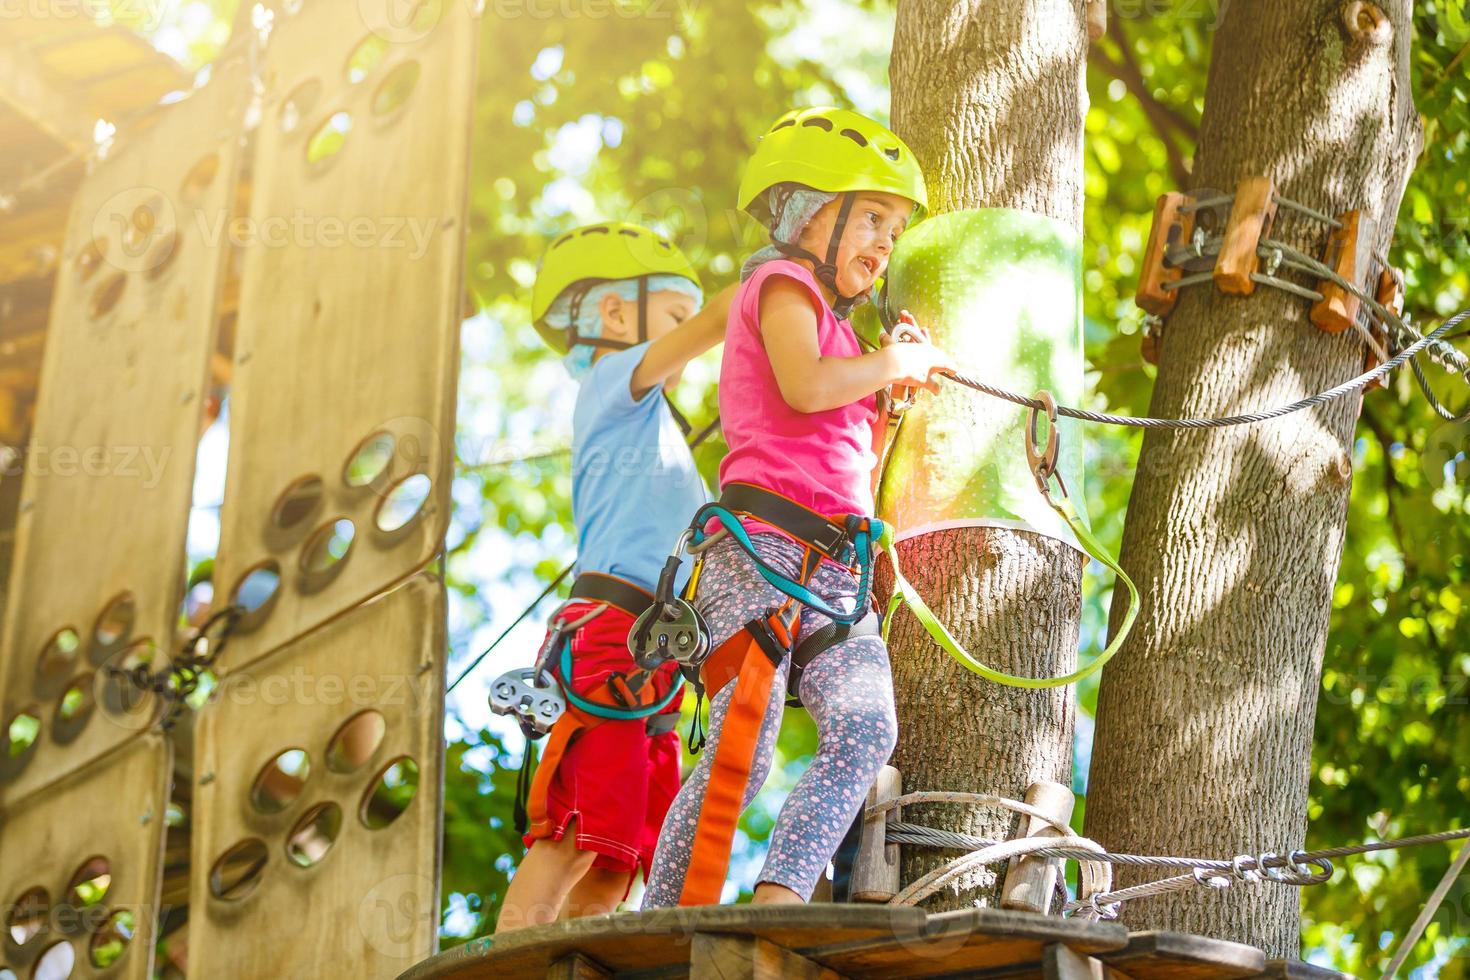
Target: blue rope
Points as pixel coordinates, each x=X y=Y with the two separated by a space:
x=606 y=711
x=862 y=546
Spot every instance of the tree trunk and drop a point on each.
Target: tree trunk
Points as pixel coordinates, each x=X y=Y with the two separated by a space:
x=990 y=96
x=1234 y=535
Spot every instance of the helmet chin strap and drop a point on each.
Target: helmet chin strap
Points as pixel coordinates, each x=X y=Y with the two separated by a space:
x=826 y=269
x=574 y=338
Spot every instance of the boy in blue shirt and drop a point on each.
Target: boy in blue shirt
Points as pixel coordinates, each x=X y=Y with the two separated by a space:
x=623 y=304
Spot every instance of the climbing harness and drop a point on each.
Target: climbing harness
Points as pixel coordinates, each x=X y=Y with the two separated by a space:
x=673 y=629
x=541 y=698
x=586 y=257
x=837 y=151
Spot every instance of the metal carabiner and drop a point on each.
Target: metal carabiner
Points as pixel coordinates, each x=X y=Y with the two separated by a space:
x=903 y=332
x=1043 y=462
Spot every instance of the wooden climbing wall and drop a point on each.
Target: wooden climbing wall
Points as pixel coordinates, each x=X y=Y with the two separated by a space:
x=99 y=539
x=308 y=861
x=342 y=411
x=81 y=865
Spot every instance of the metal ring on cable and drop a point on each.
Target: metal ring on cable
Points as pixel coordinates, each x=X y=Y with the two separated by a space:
x=1212 y=878
x=1274 y=872
x=1241 y=872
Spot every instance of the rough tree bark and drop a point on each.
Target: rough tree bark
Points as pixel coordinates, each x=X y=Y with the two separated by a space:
x=1234 y=535
x=990 y=96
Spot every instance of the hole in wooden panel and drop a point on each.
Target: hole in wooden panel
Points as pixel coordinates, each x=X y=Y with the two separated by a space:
x=356 y=741
x=116 y=621
x=111 y=939
x=58 y=659
x=27 y=915
x=390 y=794
x=365 y=58
x=74 y=709
x=327 y=141
x=299 y=104
x=56 y=963
x=402 y=504
x=161 y=257
x=369 y=462
x=325 y=551
x=22 y=731
x=7 y=974
x=297 y=502
x=237 y=871
x=314 y=834
x=107 y=295
x=194 y=609
x=89 y=259
x=89 y=882
x=256 y=593
x=124 y=701
x=280 y=781
x=394 y=91
x=200 y=176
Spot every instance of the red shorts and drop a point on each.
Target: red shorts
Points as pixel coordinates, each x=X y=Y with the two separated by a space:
x=613 y=779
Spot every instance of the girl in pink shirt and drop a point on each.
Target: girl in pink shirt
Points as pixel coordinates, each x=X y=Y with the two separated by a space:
x=799 y=401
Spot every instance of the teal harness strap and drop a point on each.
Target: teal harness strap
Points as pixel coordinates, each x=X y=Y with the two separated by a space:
x=602 y=710
x=862 y=540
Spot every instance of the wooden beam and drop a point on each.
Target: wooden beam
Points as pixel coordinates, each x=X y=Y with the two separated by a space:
x=35 y=94
x=1062 y=963
x=875 y=869
x=577 y=967
x=750 y=958
x=1030 y=882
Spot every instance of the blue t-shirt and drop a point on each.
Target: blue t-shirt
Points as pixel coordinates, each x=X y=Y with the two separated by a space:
x=634 y=483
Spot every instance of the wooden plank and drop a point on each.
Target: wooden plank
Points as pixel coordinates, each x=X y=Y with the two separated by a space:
x=114 y=810
x=370 y=904
x=1297 y=970
x=967 y=940
x=576 y=967
x=750 y=958
x=349 y=310
x=1178 y=956
x=657 y=942
x=1063 y=963
x=110 y=465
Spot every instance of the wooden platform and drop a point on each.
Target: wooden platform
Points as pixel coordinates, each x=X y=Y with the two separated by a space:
x=832 y=942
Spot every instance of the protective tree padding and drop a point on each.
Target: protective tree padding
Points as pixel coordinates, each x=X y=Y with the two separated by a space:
x=1001 y=291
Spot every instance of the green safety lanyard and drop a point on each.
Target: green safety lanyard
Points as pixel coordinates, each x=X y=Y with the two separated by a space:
x=1043 y=466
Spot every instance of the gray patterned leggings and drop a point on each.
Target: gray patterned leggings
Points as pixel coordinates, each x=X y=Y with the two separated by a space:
x=849 y=692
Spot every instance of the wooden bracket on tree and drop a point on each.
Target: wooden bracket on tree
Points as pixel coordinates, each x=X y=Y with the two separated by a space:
x=1349 y=253
x=1250 y=220
x=1389 y=294
x=1031 y=882
x=1171 y=228
x=875 y=867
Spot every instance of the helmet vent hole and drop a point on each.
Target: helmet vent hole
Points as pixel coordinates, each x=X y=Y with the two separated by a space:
x=855 y=136
x=595 y=230
x=625 y=231
x=819 y=122
x=561 y=241
x=783 y=124
x=891 y=152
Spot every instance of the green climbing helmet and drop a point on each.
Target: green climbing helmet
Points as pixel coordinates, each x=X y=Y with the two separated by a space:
x=833 y=150
x=602 y=252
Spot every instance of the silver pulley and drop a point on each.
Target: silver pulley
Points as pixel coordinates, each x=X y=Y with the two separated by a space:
x=671 y=630
x=538 y=705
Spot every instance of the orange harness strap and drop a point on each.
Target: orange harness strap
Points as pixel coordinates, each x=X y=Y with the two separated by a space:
x=724 y=797
x=567 y=727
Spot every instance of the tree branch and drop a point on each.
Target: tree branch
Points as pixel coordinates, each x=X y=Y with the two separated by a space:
x=1167 y=121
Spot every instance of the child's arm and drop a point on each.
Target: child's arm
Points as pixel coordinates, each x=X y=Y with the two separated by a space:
x=811 y=382
x=667 y=355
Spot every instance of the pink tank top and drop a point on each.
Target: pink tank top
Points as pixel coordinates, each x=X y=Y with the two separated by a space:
x=822 y=460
